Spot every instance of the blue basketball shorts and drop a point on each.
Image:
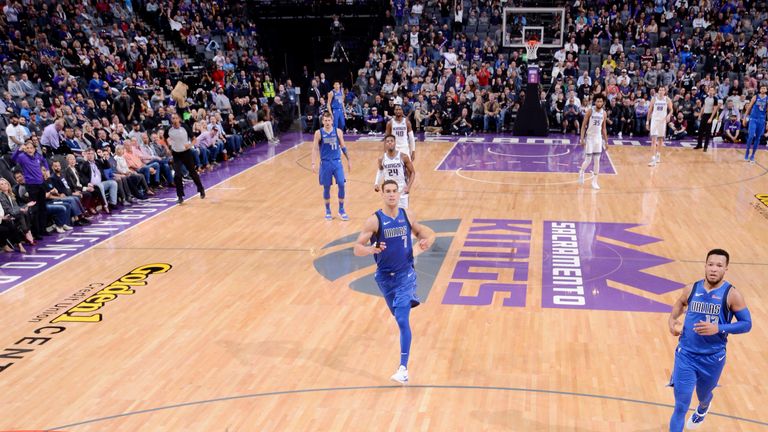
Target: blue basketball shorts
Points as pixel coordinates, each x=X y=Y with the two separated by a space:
x=756 y=128
x=330 y=170
x=696 y=371
x=398 y=289
x=339 y=122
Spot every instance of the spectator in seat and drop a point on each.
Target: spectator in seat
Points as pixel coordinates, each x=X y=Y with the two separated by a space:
x=309 y=121
x=375 y=122
x=89 y=196
x=732 y=130
x=73 y=198
x=92 y=175
x=281 y=114
x=132 y=184
x=678 y=127
x=17 y=215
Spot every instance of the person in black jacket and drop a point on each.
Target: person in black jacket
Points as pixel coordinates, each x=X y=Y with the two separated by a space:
x=309 y=121
x=92 y=175
x=89 y=195
x=18 y=216
x=59 y=182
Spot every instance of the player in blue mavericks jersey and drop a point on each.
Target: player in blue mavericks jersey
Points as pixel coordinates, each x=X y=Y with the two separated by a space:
x=756 y=109
x=700 y=356
x=330 y=142
x=387 y=236
x=335 y=100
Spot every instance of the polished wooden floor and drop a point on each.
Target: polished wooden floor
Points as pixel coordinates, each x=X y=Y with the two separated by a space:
x=238 y=334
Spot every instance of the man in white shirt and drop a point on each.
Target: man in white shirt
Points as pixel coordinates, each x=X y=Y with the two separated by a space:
x=451 y=60
x=616 y=47
x=15 y=133
x=572 y=47
x=584 y=79
x=560 y=54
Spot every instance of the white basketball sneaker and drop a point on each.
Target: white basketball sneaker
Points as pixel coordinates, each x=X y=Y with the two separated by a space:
x=581 y=177
x=595 y=186
x=697 y=418
x=401 y=375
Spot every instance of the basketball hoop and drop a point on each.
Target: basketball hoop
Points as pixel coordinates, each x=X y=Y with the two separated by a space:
x=531 y=47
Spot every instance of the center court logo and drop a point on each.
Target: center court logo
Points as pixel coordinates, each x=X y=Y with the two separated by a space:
x=580 y=269
x=582 y=272
x=340 y=262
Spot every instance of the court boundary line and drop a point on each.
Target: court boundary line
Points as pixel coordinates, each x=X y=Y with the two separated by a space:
x=606 y=191
x=413 y=386
x=172 y=206
x=445 y=156
x=569 y=144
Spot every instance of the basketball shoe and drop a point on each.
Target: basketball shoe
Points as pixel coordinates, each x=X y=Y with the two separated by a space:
x=697 y=418
x=401 y=375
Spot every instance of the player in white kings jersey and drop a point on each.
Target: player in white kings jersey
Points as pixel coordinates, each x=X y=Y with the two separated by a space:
x=395 y=165
x=594 y=138
x=400 y=127
x=659 y=115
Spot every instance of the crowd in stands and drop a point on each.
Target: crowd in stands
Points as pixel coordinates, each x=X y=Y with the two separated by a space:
x=443 y=61
x=89 y=92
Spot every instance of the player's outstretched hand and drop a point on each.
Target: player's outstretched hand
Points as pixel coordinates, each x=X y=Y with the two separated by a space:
x=376 y=188
x=424 y=244
x=674 y=326
x=705 y=328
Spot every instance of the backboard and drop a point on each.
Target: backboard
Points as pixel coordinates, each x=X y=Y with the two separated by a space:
x=521 y=24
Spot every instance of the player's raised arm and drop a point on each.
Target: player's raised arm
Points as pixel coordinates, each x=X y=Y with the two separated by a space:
x=362 y=245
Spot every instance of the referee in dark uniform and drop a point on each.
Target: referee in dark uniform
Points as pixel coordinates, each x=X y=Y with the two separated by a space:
x=179 y=140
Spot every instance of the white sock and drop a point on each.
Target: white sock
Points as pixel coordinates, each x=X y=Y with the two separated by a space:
x=585 y=164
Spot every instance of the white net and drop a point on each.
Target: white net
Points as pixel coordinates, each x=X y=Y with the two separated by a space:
x=531 y=49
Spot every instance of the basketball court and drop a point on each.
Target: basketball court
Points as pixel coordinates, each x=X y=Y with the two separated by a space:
x=247 y=311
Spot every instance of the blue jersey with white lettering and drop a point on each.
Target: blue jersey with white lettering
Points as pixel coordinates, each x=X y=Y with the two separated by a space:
x=706 y=306
x=759 y=109
x=329 y=145
x=338 y=97
x=396 y=234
